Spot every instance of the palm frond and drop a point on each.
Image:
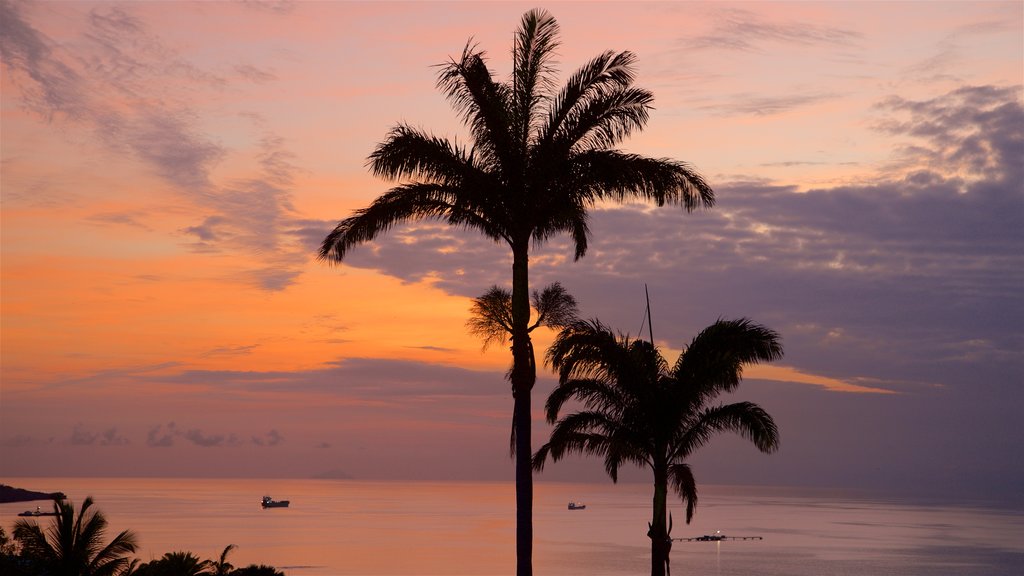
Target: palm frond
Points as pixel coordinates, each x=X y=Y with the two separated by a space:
x=680 y=477
x=491 y=316
x=110 y=559
x=409 y=153
x=585 y=350
x=594 y=394
x=483 y=104
x=556 y=308
x=533 y=68
x=715 y=358
x=606 y=72
x=615 y=175
x=604 y=120
x=747 y=419
x=410 y=202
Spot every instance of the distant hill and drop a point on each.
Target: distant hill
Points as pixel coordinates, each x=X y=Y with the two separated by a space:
x=12 y=494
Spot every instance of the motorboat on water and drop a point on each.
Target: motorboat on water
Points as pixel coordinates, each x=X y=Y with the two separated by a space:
x=577 y=506
x=37 y=512
x=269 y=502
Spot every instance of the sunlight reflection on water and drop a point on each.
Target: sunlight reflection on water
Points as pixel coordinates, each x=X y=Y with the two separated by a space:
x=337 y=528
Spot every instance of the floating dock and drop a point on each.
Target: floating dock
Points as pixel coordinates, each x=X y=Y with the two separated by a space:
x=716 y=538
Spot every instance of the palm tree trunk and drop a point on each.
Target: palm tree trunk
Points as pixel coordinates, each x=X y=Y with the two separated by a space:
x=523 y=377
x=658 y=533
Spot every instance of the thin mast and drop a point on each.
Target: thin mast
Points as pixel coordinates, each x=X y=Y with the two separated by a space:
x=650 y=329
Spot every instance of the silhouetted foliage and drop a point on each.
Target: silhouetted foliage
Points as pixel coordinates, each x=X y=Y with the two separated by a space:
x=638 y=409
x=221 y=567
x=540 y=158
x=73 y=546
x=176 y=564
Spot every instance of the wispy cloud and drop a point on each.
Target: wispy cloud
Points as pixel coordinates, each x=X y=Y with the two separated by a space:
x=231 y=350
x=133 y=219
x=166 y=435
x=160 y=436
x=744 y=30
x=757 y=105
x=271 y=438
x=133 y=93
x=82 y=436
x=202 y=440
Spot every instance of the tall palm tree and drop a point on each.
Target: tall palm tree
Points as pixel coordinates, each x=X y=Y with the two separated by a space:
x=73 y=546
x=641 y=410
x=539 y=159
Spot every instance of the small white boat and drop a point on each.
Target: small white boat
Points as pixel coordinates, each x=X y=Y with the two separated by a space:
x=577 y=506
x=36 y=513
x=269 y=502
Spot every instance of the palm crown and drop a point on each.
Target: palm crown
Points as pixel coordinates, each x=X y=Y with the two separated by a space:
x=539 y=158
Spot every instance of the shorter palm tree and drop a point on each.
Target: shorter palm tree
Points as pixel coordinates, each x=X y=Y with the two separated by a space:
x=641 y=410
x=73 y=546
x=491 y=320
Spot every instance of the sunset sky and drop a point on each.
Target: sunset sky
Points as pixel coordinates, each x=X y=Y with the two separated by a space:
x=169 y=168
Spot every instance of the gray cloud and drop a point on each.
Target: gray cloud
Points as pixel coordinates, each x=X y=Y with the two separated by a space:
x=159 y=437
x=197 y=437
x=368 y=379
x=82 y=436
x=254 y=73
x=208 y=231
x=974 y=131
x=23 y=440
x=272 y=278
x=758 y=105
x=120 y=218
x=231 y=350
x=165 y=436
x=743 y=30
x=271 y=438
x=55 y=88
x=275 y=6
x=119 y=60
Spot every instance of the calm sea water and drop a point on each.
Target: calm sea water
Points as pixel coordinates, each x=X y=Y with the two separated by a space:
x=336 y=528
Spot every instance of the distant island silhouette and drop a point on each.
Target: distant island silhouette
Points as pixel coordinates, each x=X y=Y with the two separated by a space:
x=12 y=494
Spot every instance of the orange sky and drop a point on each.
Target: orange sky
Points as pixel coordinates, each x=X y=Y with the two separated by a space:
x=168 y=168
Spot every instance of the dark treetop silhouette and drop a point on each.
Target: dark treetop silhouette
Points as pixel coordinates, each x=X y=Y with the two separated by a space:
x=539 y=159
x=73 y=546
x=642 y=411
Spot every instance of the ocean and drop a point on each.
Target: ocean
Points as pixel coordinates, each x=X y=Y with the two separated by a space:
x=349 y=528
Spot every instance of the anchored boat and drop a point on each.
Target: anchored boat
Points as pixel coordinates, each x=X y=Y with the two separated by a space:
x=36 y=513
x=269 y=502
